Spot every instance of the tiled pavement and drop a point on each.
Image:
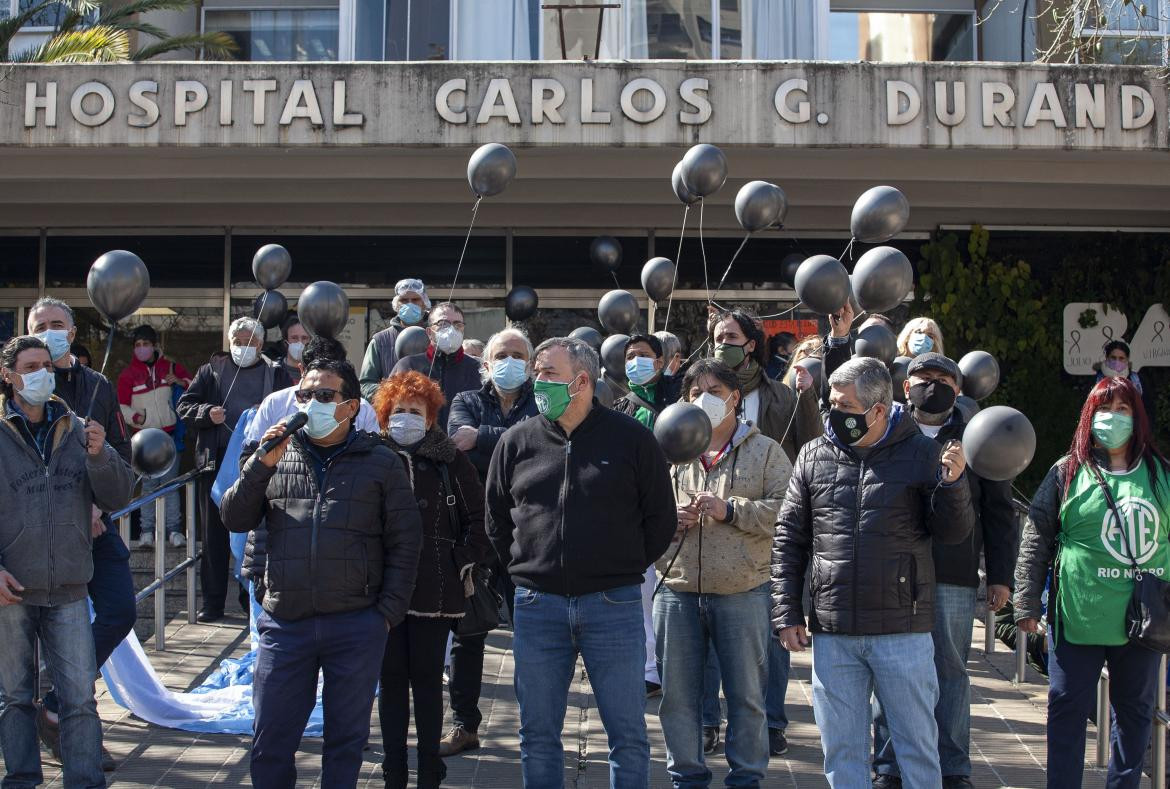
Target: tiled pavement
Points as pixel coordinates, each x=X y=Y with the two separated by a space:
x=1007 y=729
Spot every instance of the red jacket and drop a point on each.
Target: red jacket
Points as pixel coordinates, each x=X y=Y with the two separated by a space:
x=145 y=395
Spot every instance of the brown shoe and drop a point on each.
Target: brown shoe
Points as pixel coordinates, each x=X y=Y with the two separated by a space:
x=458 y=741
x=49 y=732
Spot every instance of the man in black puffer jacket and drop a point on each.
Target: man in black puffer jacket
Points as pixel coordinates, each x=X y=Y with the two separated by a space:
x=344 y=535
x=865 y=504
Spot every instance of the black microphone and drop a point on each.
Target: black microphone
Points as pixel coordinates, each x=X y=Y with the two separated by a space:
x=295 y=423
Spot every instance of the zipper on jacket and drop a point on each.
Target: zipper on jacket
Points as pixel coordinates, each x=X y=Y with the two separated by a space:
x=857 y=538
x=564 y=504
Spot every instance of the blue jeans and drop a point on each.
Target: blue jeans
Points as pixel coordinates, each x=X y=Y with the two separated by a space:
x=605 y=629
x=899 y=669
x=1072 y=690
x=736 y=626
x=954 y=614
x=67 y=644
x=174 y=513
x=779 y=667
x=347 y=648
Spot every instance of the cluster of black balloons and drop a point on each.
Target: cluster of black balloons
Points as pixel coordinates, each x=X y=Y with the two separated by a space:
x=271 y=267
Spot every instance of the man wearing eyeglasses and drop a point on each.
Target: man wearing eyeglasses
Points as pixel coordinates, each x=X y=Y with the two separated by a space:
x=444 y=360
x=344 y=534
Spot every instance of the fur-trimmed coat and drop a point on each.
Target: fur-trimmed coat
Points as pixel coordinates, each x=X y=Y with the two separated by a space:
x=447 y=553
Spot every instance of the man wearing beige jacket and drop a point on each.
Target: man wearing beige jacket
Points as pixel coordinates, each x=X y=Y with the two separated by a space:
x=716 y=583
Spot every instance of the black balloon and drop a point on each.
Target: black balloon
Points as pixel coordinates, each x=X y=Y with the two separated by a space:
x=899 y=372
x=789 y=266
x=658 y=278
x=683 y=431
x=882 y=278
x=613 y=355
x=618 y=312
x=822 y=283
x=269 y=308
x=117 y=284
x=704 y=169
x=588 y=335
x=980 y=374
x=606 y=253
x=521 y=302
x=271 y=266
x=323 y=308
x=684 y=195
x=152 y=452
x=816 y=368
x=410 y=341
x=759 y=204
x=999 y=443
x=876 y=341
x=603 y=392
x=490 y=169
x=879 y=214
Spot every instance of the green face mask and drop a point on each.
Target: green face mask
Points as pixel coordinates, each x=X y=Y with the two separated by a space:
x=552 y=398
x=731 y=355
x=1111 y=429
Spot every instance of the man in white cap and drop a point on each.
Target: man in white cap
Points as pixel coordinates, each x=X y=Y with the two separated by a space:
x=411 y=306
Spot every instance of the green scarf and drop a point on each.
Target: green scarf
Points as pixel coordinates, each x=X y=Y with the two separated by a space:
x=644 y=414
x=749 y=376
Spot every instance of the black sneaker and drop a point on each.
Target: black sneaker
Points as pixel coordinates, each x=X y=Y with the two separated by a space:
x=108 y=763
x=208 y=615
x=710 y=739
x=957 y=782
x=887 y=782
x=777 y=742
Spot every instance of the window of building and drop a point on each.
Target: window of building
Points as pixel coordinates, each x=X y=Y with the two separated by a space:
x=910 y=32
x=48 y=17
x=284 y=34
x=418 y=30
x=1123 y=35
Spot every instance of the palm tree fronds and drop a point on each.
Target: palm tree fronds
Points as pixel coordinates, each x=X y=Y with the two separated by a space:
x=215 y=46
x=11 y=26
x=154 y=31
x=98 y=44
x=123 y=12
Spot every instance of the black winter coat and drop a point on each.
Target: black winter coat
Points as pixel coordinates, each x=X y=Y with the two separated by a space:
x=574 y=515
x=481 y=410
x=666 y=392
x=447 y=551
x=75 y=385
x=206 y=392
x=863 y=526
x=351 y=543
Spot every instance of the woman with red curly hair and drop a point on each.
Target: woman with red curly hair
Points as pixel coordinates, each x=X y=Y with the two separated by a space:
x=451 y=502
x=1100 y=515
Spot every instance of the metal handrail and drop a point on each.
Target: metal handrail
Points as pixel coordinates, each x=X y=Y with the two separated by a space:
x=157 y=587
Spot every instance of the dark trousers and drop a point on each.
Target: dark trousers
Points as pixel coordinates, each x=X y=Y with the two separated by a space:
x=467 y=661
x=1072 y=691
x=413 y=664
x=216 y=561
x=112 y=592
x=347 y=649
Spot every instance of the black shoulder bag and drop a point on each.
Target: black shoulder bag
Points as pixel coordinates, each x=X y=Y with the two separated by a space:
x=1147 y=620
x=483 y=607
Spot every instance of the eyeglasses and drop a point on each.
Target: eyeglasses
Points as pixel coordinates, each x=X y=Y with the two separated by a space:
x=440 y=325
x=320 y=395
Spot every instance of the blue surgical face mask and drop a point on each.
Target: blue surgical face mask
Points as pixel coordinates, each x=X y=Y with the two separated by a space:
x=640 y=370
x=322 y=419
x=38 y=386
x=920 y=343
x=57 y=340
x=509 y=374
x=407 y=429
x=410 y=313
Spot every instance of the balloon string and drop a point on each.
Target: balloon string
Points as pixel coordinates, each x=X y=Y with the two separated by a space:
x=742 y=244
x=848 y=250
x=703 y=250
x=459 y=267
x=102 y=371
x=780 y=314
x=695 y=353
x=677 y=256
x=616 y=284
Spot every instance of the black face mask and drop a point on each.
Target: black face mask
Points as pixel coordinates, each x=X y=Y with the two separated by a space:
x=849 y=428
x=934 y=397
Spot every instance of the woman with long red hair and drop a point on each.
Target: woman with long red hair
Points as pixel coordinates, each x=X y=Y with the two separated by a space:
x=1102 y=512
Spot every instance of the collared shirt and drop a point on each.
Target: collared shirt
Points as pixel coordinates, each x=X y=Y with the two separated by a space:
x=37 y=434
x=282 y=404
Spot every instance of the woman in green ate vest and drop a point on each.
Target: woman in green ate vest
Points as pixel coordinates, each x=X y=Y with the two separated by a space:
x=1073 y=530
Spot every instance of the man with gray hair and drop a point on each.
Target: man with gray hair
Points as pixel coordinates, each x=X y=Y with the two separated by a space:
x=411 y=305
x=865 y=503
x=223 y=389
x=671 y=352
x=579 y=505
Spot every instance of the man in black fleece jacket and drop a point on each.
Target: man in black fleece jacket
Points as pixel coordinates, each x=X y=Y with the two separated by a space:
x=579 y=504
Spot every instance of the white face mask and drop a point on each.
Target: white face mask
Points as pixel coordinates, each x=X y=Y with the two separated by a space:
x=448 y=340
x=38 y=386
x=713 y=406
x=244 y=355
x=407 y=429
x=295 y=349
